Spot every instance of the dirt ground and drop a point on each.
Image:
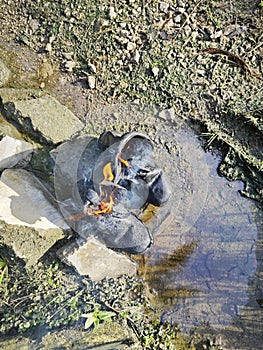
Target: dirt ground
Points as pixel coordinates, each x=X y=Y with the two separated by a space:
x=201 y=58
x=204 y=58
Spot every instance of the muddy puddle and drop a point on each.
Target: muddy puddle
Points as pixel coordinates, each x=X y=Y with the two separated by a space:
x=205 y=268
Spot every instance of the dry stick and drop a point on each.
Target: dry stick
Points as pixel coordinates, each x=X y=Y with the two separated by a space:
x=133 y=326
x=232 y=57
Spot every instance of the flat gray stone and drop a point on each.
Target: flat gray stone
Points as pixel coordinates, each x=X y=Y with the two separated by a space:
x=40 y=114
x=29 y=223
x=4 y=73
x=14 y=152
x=94 y=259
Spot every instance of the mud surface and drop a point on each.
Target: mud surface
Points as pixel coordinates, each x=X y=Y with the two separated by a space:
x=204 y=271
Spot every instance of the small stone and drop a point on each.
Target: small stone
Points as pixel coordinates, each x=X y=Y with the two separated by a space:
x=94 y=259
x=42 y=85
x=131 y=46
x=195 y=34
x=14 y=152
x=100 y=24
x=167 y=114
x=180 y=9
x=177 y=19
x=155 y=71
x=92 y=67
x=48 y=47
x=68 y=55
x=34 y=24
x=112 y=13
x=163 y=6
x=136 y=57
x=121 y=40
x=187 y=30
x=217 y=34
x=70 y=65
x=4 y=73
x=181 y=3
x=67 y=12
x=123 y=24
x=91 y=82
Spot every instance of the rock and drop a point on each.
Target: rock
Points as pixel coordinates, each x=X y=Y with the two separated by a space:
x=112 y=13
x=29 y=223
x=70 y=65
x=4 y=73
x=131 y=46
x=91 y=82
x=155 y=71
x=48 y=47
x=167 y=114
x=136 y=57
x=163 y=6
x=40 y=115
x=94 y=259
x=178 y=19
x=14 y=152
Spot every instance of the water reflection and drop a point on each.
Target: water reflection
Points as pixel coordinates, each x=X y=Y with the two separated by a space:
x=209 y=275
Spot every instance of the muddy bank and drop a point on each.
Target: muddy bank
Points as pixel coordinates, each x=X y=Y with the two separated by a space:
x=200 y=61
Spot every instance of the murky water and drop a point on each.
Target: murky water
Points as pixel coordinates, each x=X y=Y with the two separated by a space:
x=204 y=271
x=205 y=268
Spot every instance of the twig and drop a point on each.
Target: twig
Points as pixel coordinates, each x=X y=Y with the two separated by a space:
x=232 y=57
x=130 y=321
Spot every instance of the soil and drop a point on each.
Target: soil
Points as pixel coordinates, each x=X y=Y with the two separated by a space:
x=204 y=58
x=201 y=58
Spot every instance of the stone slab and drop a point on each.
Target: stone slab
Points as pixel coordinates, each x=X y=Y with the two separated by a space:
x=14 y=152
x=41 y=115
x=94 y=259
x=28 y=222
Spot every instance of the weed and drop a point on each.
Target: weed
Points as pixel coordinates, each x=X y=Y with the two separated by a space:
x=97 y=316
x=3 y=269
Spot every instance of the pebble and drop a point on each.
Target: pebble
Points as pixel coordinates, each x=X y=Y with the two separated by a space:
x=70 y=65
x=131 y=46
x=68 y=55
x=180 y=9
x=112 y=13
x=91 y=82
x=136 y=57
x=177 y=19
x=155 y=71
x=48 y=47
x=217 y=34
x=163 y=6
x=187 y=30
x=92 y=67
